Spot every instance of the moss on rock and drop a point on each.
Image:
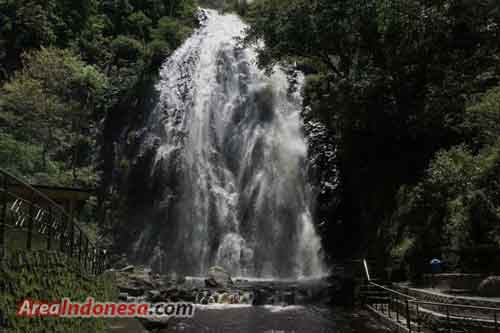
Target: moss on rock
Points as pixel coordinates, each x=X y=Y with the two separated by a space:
x=48 y=276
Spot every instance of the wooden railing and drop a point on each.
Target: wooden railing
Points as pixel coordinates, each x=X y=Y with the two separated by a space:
x=30 y=219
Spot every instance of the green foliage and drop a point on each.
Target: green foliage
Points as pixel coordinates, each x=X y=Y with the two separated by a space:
x=158 y=50
x=455 y=206
x=19 y=157
x=51 y=103
x=127 y=48
x=140 y=24
x=29 y=24
x=170 y=30
x=238 y=6
x=65 y=66
x=482 y=120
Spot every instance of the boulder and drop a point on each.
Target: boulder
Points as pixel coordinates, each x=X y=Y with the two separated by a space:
x=211 y=283
x=223 y=298
x=132 y=290
x=154 y=323
x=218 y=277
x=171 y=294
x=246 y=298
x=186 y=295
x=129 y=268
x=154 y=295
x=122 y=296
x=289 y=297
x=490 y=287
x=118 y=261
x=261 y=297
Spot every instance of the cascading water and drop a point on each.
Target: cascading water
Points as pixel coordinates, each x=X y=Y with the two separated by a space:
x=231 y=158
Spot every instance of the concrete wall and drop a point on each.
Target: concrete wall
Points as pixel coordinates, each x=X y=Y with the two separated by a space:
x=453 y=281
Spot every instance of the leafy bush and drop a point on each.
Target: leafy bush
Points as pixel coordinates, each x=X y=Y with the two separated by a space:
x=50 y=104
x=171 y=31
x=127 y=48
x=158 y=51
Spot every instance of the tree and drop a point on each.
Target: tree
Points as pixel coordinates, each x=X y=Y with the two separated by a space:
x=51 y=102
x=391 y=79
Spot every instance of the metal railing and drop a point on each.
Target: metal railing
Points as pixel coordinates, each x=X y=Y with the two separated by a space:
x=391 y=303
x=29 y=219
x=455 y=317
x=423 y=316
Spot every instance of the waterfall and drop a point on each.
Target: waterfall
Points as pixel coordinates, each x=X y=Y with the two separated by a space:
x=231 y=159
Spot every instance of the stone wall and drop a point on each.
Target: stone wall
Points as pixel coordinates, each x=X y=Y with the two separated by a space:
x=50 y=276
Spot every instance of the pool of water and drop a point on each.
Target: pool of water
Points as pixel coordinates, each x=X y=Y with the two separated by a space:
x=271 y=319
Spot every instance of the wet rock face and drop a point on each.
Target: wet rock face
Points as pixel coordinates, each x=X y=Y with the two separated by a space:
x=323 y=174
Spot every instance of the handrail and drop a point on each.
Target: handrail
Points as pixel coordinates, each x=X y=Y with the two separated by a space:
x=392 y=291
x=49 y=219
x=405 y=309
x=463 y=306
x=45 y=198
x=31 y=188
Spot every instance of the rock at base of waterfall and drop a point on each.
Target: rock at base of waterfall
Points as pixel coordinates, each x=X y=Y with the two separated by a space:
x=154 y=295
x=261 y=297
x=136 y=281
x=129 y=268
x=122 y=296
x=218 y=277
x=289 y=298
x=154 y=324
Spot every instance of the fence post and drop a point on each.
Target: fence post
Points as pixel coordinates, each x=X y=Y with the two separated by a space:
x=4 y=210
x=418 y=318
x=86 y=253
x=448 y=318
x=62 y=238
x=49 y=232
x=30 y=227
x=496 y=323
x=99 y=261
x=103 y=258
x=397 y=309
x=92 y=260
x=80 y=245
x=408 y=321
x=389 y=306
x=71 y=238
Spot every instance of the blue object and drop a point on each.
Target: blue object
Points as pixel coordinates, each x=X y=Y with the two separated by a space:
x=436 y=265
